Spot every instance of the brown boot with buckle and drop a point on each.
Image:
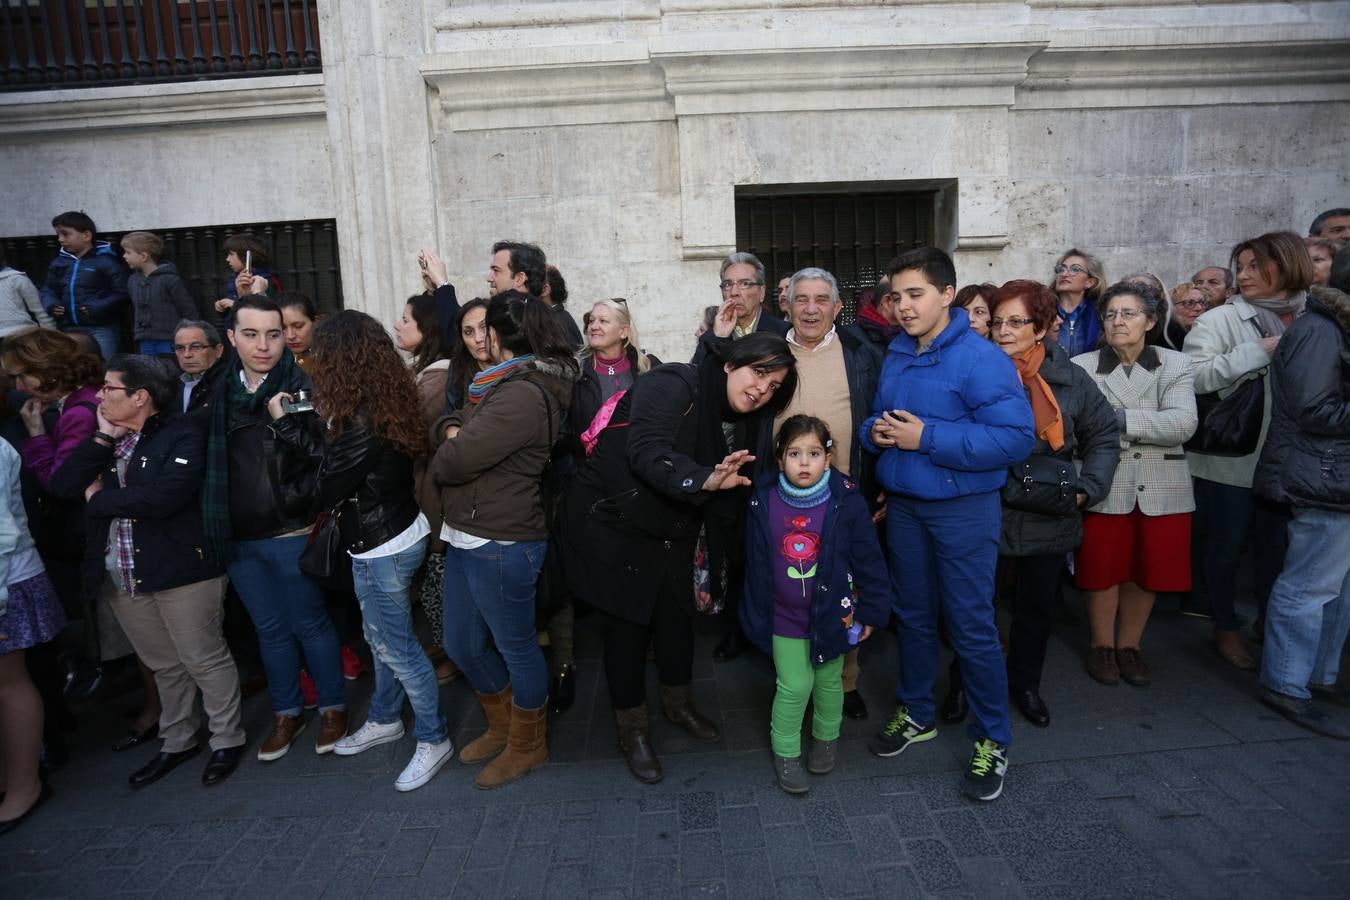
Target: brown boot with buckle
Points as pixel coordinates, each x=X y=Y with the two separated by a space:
x=285 y=729
x=526 y=748
x=1102 y=666
x=679 y=709
x=497 y=709
x=332 y=728
x=635 y=742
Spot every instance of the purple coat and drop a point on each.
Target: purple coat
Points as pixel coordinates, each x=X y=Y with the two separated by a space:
x=43 y=454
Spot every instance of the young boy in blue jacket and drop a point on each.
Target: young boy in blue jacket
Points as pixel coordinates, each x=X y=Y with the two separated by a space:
x=86 y=286
x=949 y=418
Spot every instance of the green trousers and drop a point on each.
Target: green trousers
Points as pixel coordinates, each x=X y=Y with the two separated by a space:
x=797 y=683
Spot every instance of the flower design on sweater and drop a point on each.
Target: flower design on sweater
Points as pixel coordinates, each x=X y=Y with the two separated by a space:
x=800 y=548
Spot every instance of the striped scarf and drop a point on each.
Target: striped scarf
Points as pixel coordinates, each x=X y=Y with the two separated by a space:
x=487 y=379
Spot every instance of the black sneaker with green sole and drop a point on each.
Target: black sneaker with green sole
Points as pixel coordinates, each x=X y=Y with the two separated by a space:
x=899 y=733
x=984 y=775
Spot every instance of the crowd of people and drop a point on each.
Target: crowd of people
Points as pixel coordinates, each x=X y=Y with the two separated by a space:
x=280 y=501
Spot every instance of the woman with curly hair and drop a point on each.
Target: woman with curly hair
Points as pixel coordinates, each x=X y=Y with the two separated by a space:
x=367 y=396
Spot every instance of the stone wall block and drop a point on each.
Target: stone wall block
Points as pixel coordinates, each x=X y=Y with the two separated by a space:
x=617 y=159
x=647 y=226
x=481 y=165
x=1095 y=143
x=1250 y=139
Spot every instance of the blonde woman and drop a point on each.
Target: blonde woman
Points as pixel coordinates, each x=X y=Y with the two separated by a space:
x=1079 y=280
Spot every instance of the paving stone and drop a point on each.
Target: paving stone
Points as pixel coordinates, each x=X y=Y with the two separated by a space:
x=611 y=862
x=963 y=833
x=658 y=835
x=698 y=810
x=800 y=887
x=656 y=877
x=935 y=865
x=895 y=882
x=749 y=875
x=789 y=849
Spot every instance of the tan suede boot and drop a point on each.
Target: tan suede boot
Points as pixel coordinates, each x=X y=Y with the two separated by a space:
x=526 y=748
x=497 y=708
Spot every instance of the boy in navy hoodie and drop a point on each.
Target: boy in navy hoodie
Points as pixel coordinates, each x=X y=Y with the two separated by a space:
x=949 y=418
x=86 y=286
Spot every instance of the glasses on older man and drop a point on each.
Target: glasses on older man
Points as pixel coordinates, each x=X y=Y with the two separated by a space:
x=744 y=284
x=194 y=347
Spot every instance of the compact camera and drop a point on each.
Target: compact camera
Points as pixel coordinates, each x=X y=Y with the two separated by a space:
x=300 y=404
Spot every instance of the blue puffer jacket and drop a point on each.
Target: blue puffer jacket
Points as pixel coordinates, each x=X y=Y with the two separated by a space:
x=850 y=571
x=977 y=421
x=96 y=282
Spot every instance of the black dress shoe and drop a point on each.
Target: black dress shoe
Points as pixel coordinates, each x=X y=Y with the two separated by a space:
x=43 y=796
x=562 y=689
x=854 y=706
x=162 y=764
x=1030 y=705
x=954 y=707
x=730 y=647
x=134 y=738
x=222 y=764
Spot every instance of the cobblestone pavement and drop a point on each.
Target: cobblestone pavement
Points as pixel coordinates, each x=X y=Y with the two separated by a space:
x=1188 y=788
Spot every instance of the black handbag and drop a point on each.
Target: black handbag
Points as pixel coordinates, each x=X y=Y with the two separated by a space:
x=1230 y=426
x=1042 y=484
x=325 y=559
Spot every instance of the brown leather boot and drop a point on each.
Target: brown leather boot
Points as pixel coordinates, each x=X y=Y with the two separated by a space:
x=635 y=742
x=332 y=728
x=497 y=708
x=526 y=748
x=679 y=709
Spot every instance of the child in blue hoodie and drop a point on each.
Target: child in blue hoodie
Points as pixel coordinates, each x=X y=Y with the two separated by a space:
x=86 y=286
x=950 y=417
x=815 y=586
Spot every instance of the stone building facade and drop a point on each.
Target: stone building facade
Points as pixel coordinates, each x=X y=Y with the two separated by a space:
x=618 y=135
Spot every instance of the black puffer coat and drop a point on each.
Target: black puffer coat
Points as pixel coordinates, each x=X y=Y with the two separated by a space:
x=1091 y=436
x=1306 y=459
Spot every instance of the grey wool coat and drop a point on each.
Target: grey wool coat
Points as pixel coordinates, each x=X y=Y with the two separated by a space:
x=1158 y=399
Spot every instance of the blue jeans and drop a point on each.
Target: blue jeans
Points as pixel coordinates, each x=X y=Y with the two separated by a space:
x=489 y=599
x=942 y=556
x=402 y=669
x=105 y=335
x=154 y=348
x=1309 y=612
x=287 y=607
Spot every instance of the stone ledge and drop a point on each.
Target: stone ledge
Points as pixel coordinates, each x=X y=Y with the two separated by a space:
x=150 y=105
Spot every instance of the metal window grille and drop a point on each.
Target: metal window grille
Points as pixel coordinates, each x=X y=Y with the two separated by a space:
x=304 y=257
x=58 y=43
x=851 y=234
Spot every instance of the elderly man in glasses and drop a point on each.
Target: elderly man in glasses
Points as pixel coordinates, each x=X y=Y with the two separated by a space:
x=199 y=350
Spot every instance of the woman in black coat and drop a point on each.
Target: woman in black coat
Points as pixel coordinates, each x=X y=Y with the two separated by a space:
x=632 y=517
x=1073 y=422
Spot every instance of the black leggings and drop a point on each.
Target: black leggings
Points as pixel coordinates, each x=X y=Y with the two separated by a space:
x=671 y=635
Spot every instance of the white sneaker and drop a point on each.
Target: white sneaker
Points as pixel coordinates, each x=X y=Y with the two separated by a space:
x=426 y=762
x=371 y=734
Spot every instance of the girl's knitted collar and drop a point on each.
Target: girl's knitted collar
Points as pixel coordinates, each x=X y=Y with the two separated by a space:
x=803 y=498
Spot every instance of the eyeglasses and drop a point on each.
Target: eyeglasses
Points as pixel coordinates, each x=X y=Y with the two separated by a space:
x=744 y=284
x=1192 y=304
x=1017 y=323
x=117 y=387
x=189 y=348
x=1129 y=315
x=1075 y=269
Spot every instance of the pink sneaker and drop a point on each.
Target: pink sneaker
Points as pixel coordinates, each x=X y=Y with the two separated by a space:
x=352 y=667
x=308 y=690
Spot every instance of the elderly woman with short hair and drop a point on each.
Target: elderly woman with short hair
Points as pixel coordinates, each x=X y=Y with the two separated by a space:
x=1137 y=540
x=1229 y=345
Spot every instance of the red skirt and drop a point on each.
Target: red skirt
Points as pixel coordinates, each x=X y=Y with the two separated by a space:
x=1152 y=551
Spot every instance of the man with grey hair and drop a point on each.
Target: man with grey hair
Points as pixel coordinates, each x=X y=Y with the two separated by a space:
x=199 y=350
x=837 y=374
x=742 y=310
x=1216 y=283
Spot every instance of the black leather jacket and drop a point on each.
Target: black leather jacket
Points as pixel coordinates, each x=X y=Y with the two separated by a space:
x=272 y=482
x=360 y=464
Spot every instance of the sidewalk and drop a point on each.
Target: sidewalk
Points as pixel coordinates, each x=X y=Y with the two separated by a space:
x=1188 y=788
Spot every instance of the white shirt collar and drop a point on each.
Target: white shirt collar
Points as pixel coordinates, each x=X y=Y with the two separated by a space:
x=824 y=342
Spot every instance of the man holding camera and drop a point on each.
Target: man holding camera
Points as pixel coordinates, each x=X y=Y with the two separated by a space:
x=258 y=508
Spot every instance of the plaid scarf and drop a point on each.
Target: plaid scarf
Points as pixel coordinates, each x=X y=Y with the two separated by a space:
x=216 y=485
x=123 y=546
x=487 y=379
